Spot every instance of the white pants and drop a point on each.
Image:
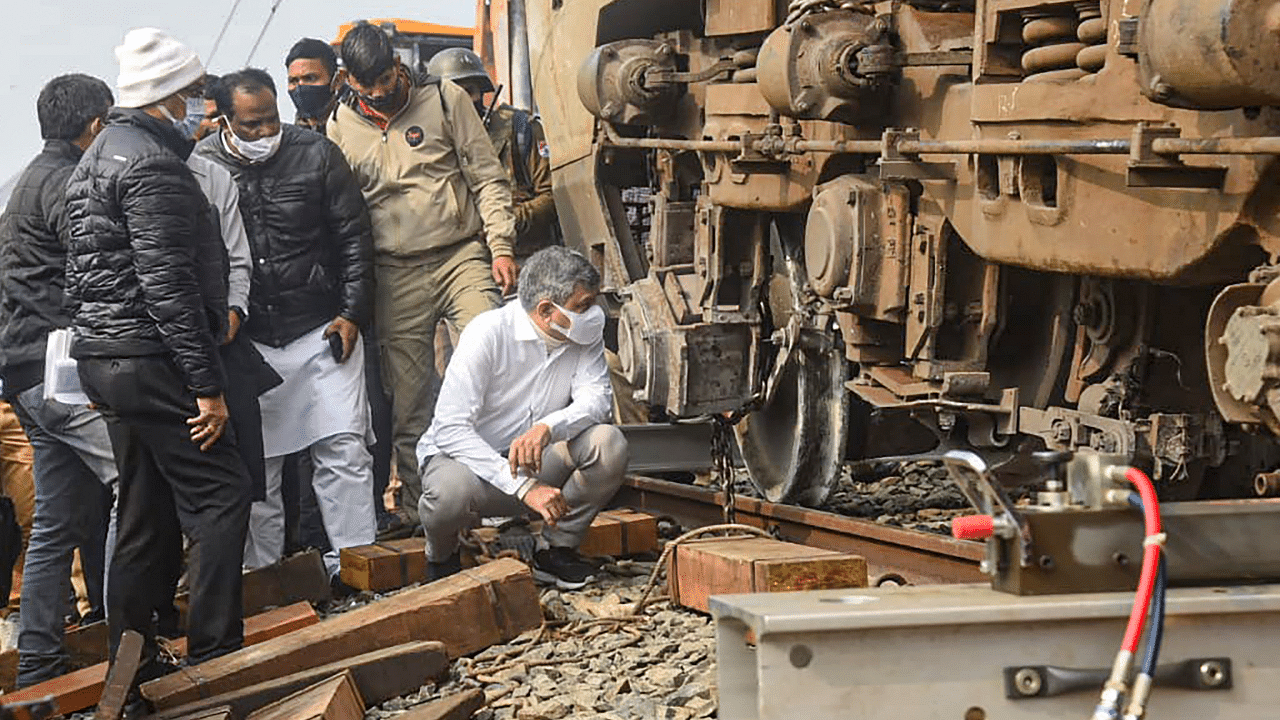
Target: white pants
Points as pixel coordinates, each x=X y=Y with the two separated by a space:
x=343 y=481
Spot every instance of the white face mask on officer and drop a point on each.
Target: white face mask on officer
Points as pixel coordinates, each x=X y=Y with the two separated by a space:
x=585 y=328
x=258 y=150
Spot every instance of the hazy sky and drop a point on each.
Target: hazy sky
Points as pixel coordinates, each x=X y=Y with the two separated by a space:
x=51 y=37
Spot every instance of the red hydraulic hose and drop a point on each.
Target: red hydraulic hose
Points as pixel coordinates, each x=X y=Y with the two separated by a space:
x=1150 y=558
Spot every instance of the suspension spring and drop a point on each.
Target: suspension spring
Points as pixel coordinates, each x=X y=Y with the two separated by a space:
x=1053 y=47
x=1092 y=32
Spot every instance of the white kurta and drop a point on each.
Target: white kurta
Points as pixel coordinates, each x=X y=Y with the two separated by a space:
x=319 y=398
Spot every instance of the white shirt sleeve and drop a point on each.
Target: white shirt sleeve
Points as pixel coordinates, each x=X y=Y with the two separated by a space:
x=236 y=240
x=592 y=398
x=461 y=398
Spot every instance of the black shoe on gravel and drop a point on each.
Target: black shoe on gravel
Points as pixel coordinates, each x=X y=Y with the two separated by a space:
x=451 y=565
x=562 y=567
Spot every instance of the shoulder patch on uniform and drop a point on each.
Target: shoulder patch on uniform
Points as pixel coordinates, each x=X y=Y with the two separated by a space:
x=414 y=136
x=543 y=149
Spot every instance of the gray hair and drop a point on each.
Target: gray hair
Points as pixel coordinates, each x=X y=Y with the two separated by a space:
x=553 y=274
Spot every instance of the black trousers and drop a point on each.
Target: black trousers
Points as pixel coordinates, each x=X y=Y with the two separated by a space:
x=169 y=487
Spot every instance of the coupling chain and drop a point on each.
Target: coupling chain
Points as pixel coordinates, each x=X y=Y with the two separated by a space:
x=722 y=461
x=800 y=8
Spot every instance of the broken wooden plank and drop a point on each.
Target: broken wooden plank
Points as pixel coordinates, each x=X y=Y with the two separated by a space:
x=72 y=692
x=221 y=712
x=380 y=676
x=335 y=698
x=83 y=688
x=298 y=578
x=120 y=676
x=86 y=645
x=386 y=565
x=467 y=612
x=717 y=566
x=8 y=670
x=268 y=625
x=455 y=707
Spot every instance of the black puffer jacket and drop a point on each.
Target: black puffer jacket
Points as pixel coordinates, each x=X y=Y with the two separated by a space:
x=33 y=256
x=143 y=247
x=310 y=235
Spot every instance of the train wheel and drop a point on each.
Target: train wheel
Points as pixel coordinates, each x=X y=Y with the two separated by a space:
x=794 y=445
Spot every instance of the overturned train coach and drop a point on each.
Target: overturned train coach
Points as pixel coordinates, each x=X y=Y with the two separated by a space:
x=877 y=229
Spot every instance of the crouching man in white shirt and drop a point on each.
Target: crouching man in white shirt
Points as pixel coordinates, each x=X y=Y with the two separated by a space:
x=522 y=422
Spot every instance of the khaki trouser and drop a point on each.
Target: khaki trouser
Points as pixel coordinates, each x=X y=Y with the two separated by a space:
x=454 y=284
x=588 y=470
x=18 y=484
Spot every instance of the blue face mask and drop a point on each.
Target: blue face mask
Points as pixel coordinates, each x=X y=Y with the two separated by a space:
x=187 y=126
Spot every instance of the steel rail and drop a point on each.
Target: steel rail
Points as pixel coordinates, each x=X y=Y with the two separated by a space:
x=891 y=553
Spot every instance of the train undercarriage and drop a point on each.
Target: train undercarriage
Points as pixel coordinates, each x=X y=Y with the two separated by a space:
x=891 y=230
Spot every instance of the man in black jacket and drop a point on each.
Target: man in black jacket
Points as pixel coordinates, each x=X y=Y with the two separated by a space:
x=312 y=246
x=74 y=466
x=73 y=463
x=148 y=297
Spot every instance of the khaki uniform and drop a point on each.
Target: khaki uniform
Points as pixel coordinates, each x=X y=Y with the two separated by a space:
x=433 y=184
x=522 y=147
x=17 y=482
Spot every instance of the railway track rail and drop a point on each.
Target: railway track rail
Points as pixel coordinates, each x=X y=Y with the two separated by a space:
x=893 y=555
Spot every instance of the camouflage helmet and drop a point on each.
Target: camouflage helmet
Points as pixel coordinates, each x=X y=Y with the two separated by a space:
x=460 y=65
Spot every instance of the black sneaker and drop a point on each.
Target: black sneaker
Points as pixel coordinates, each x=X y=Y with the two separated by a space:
x=562 y=567
x=451 y=565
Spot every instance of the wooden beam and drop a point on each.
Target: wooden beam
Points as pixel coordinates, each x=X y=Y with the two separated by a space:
x=639 y=531
x=221 y=712
x=467 y=612
x=716 y=566
x=298 y=578
x=86 y=645
x=455 y=707
x=380 y=676
x=83 y=688
x=268 y=625
x=120 y=676
x=386 y=565
x=603 y=538
x=335 y=698
x=9 y=670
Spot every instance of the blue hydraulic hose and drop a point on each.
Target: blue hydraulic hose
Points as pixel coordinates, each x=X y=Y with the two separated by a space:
x=1155 y=634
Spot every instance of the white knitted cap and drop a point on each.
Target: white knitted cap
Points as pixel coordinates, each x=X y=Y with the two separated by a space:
x=153 y=66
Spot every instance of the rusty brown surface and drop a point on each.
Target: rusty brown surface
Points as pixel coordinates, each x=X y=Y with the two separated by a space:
x=917 y=557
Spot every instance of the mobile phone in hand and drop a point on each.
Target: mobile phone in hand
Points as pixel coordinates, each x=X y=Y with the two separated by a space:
x=335 y=346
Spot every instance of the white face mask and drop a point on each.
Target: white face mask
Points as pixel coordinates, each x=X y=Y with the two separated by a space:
x=585 y=328
x=255 y=150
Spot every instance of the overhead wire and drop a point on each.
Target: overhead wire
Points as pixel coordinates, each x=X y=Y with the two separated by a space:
x=265 y=24
x=235 y=5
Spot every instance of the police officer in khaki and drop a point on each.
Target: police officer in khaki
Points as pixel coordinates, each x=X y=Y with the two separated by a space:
x=443 y=227
x=521 y=146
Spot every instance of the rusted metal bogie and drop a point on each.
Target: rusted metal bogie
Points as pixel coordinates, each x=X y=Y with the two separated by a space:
x=614 y=82
x=810 y=69
x=1210 y=53
x=983 y=211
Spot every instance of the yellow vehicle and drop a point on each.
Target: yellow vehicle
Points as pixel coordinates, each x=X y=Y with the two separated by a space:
x=416 y=42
